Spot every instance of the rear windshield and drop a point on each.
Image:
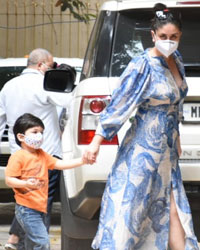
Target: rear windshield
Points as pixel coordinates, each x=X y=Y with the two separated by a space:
x=133 y=37
x=7 y=73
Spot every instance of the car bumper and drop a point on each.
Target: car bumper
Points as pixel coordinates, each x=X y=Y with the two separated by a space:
x=190 y=170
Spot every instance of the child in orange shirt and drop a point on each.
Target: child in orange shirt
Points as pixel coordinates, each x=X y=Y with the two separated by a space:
x=27 y=174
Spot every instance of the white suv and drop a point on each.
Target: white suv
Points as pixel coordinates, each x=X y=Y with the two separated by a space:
x=122 y=31
x=9 y=68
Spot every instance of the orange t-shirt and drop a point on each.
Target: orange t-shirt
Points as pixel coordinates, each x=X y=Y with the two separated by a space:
x=24 y=165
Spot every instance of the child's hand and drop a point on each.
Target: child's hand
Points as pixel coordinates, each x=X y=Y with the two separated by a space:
x=87 y=161
x=91 y=153
x=33 y=183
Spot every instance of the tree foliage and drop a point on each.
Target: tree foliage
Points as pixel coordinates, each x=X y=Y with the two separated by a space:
x=77 y=8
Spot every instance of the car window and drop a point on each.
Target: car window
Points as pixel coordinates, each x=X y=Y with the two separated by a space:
x=133 y=37
x=7 y=73
x=89 y=62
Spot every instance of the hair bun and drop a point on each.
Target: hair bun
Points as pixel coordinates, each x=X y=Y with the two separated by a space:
x=160 y=7
x=163 y=15
x=161 y=11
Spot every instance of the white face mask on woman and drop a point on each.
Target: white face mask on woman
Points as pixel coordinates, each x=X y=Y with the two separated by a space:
x=34 y=140
x=166 y=47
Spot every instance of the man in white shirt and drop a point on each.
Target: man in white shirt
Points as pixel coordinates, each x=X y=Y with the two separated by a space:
x=25 y=94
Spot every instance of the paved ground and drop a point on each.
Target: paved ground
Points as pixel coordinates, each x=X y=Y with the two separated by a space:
x=6 y=215
x=54 y=236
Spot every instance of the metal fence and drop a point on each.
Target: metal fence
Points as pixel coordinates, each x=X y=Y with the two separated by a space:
x=29 y=24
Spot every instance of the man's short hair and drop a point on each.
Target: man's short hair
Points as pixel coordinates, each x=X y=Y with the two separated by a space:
x=38 y=55
x=25 y=122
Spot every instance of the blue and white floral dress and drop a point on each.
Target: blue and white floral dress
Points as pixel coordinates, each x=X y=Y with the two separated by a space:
x=136 y=202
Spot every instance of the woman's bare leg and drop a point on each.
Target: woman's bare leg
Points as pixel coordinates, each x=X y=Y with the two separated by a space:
x=176 y=233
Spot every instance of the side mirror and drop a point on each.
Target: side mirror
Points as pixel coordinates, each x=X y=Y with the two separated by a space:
x=59 y=80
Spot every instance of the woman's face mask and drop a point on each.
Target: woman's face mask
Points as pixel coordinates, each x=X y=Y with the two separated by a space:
x=166 y=47
x=34 y=140
x=166 y=38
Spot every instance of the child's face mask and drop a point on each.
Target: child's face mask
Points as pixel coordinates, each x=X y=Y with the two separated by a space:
x=34 y=140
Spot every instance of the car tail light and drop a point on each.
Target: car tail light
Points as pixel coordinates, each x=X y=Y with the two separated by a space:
x=97 y=106
x=90 y=109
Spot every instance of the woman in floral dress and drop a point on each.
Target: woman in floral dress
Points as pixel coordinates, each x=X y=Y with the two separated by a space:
x=144 y=205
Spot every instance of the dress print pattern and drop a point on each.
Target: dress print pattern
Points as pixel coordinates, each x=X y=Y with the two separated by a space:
x=136 y=202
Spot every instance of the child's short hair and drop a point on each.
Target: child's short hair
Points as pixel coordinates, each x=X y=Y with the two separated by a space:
x=25 y=122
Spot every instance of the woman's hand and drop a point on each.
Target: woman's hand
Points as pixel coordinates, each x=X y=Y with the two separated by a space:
x=92 y=151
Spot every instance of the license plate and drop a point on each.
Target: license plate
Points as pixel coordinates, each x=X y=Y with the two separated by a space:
x=191 y=112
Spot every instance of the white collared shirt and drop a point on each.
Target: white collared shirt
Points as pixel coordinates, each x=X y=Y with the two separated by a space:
x=25 y=94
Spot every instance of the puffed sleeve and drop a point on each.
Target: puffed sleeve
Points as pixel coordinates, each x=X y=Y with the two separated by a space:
x=132 y=91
